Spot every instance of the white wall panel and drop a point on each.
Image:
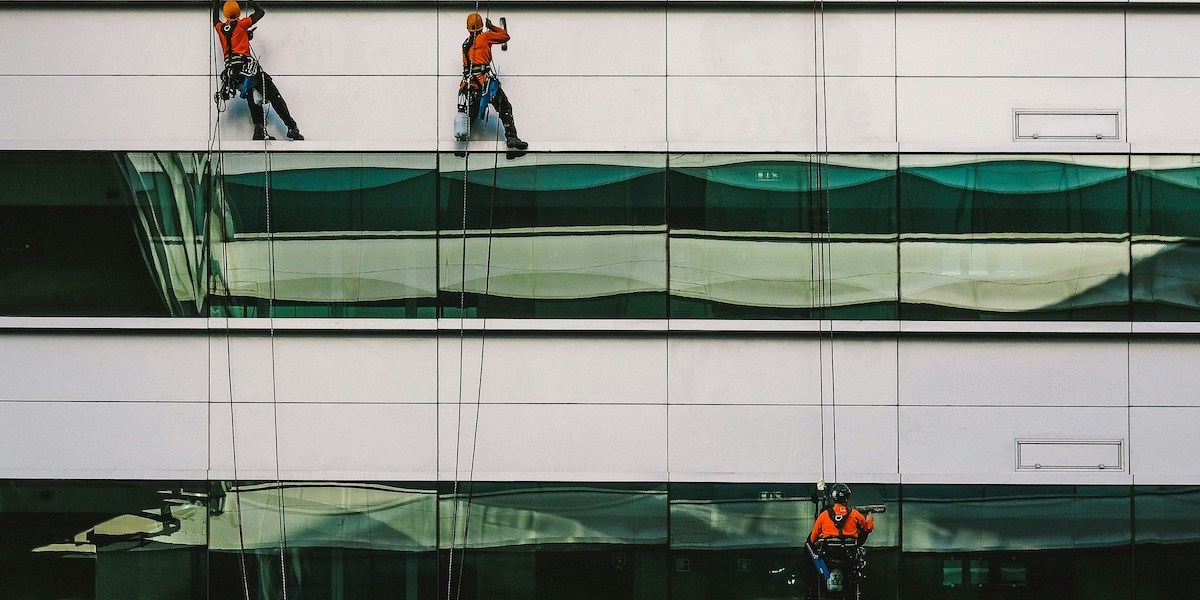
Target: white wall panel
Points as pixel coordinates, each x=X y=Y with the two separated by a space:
x=1162 y=114
x=56 y=111
x=864 y=371
x=249 y=455
x=556 y=370
x=103 y=439
x=240 y=367
x=1163 y=373
x=362 y=40
x=104 y=41
x=740 y=113
x=397 y=111
x=568 y=113
x=1164 y=442
x=1163 y=44
x=359 y=369
x=953 y=113
x=739 y=443
x=861 y=114
x=959 y=371
x=1045 y=43
x=744 y=42
x=549 y=40
x=358 y=441
x=744 y=371
x=555 y=442
x=865 y=445
x=962 y=443
x=116 y=367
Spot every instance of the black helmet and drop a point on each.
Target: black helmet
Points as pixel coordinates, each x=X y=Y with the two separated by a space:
x=840 y=493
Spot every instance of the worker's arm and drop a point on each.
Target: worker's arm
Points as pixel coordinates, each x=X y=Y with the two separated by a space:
x=866 y=523
x=494 y=34
x=216 y=12
x=258 y=11
x=812 y=537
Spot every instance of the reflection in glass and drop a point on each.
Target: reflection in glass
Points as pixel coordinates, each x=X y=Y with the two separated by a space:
x=783 y=236
x=338 y=540
x=103 y=540
x=78 y=238
x=553 y=236
x=1167 y=537
x=346 y=235
x=546 y=541
x=1166 y=238
x=1028 y=237
x=1026 y=542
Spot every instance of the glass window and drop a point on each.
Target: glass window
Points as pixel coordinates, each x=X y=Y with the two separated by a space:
x=350 y=235
x=1026 y=542
x=783 y=236
x=1166 y=238
x=746 y=540
x=547 y=541
x=553 y=236
x=103 y=540
x=340 y=540
x=72 y=241
x=1167 y=537
x=1014 y=237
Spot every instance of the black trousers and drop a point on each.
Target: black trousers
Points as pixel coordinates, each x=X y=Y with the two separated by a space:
x=266 y=86
x=500 y=103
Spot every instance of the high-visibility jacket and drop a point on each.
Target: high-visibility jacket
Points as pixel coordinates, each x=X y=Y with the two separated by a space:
x=235 y=36
x=851 y=520
x=479 y=53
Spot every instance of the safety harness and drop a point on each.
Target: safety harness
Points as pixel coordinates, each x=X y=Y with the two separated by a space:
x=471 y=85
x=240 y=70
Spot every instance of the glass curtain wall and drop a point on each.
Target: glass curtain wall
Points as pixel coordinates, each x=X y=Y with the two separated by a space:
x=783 y=236
x=152 y=540
x=914 y=237
x=553 y=236
x=325 y=235
x=1166 y=238
x=1014 y=237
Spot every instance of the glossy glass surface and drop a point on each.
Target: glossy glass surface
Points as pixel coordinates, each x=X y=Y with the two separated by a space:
x=325 y=235
x=1166 y=238
x=708 y=541
x=553 y=236
x=1016 y=237
x=563 y=235
x=783 y=236
x=1019 y=542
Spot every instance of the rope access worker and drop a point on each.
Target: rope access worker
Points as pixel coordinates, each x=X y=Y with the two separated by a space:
x=840 y=520
x=242 y=71
x=479 y=84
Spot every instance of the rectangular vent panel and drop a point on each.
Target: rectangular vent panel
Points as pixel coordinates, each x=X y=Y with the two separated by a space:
x=1067 y=125
x=1074 y=455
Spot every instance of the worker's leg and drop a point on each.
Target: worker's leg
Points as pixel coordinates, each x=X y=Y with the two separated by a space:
x=257 y=117
x=504 y=109
x=271 y=93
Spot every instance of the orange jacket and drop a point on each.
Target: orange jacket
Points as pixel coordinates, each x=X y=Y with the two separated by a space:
x=235 y=36
x=855 y=521
x=480 y=51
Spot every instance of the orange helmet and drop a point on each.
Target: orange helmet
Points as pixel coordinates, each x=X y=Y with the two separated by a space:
x=232 y=10
x=474 y=22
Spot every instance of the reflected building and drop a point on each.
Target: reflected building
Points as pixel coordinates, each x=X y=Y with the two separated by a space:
x=384 y=364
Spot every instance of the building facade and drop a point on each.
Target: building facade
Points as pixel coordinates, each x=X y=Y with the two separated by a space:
x=939 y=251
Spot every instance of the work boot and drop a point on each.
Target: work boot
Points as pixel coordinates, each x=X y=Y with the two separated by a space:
x=293 y=133
x=515 y=142
x=260 y=133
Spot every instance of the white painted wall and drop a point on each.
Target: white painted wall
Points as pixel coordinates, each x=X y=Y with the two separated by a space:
x=652 y=77
x=383 y=403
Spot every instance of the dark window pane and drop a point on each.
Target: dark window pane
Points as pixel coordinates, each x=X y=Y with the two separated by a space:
x=1027 y=542
x=102 y=540
x=1167 y=538
x=72 y=240
x=1166 y=238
